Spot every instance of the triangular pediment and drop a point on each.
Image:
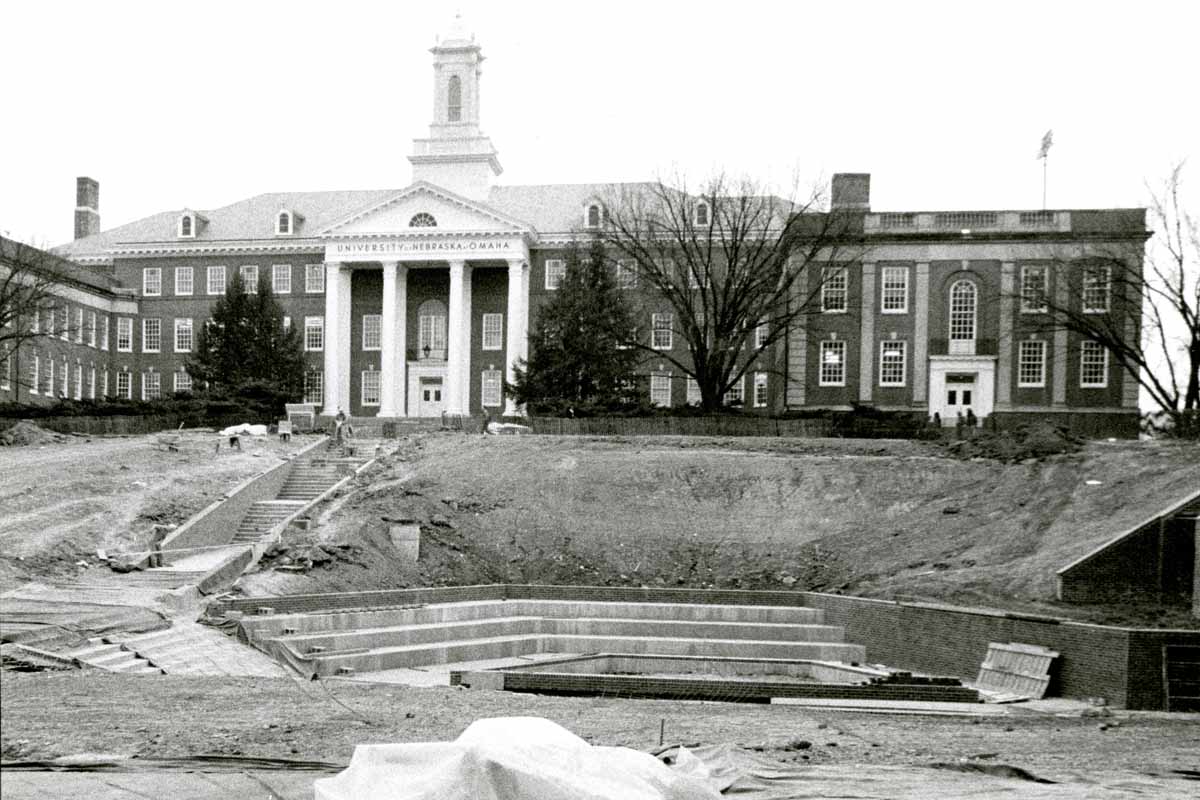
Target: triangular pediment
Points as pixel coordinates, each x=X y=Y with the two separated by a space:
x=404 y=212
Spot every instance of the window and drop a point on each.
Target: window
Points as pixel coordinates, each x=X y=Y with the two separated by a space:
x=735 y=395
x=1031 y=364
x=35 y=325
x=48 y=320
x=183 y=280
x=152 y=281
x=833 y=290
x=151 y=385
x=6 y=374
x=125 y=385
x=34 y=365
x=48 y=383
x=314 y=387
x=454 y=99
x=371 y=338
x=63 y=379
x=693 y=392
x=314 y=334
x=833 y=364
x=1033 y=289
x=124 y=335
x=660 y=390
x=701 y=217
x=314 y=278
x=593 y=216
x=627 y=277
x=493 y=331
x=370 y=387
x=151 y=335
x=283 y=223
x=431 y=330
x=104 y=383
x=661 y=335
x=895 y=290
x=1093 y=365
x=491 y=383
x=64 y=322
x=78 y=381
x=281 y=278
x=893 y=363
x=422 y=220
x=183 y=382
x=249 y=274
x=92 y=383
x=762 y=332
x=760 y=390
x=555 y=269
x=216 y=280
x=79 y=325
x=962 y=311
x=104 y=332
x=287 y=323
x=187 y=226
x=1096 y=284
x=91 y=329
x=183 y=335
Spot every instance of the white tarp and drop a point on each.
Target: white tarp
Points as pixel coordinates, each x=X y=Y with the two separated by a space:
x=509 y=758
x=246 y=428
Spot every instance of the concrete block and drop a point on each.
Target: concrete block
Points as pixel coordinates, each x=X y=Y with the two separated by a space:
x=406 y=539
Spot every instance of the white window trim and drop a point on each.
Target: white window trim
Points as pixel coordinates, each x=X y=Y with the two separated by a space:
x=696 y=214
x=827 y=274
x=310 y=377
x=692 y=391
x=627 y=267
x=208 y=279
x=91 y=329
x=736 y=393
x=363 y=387
x=78 y=324
x=883 y=290
x=1041 y=382
x=559 y=264
x=762 y=331
x=587 y=213
x=181 y=324
x=821 y=349
x=146 y=385
x=191 y=229
x=498 y=343
x=1082 y=353
x=1026 y=308
x=1107 y=286
x=275 y=270
x=249 y=286
x=365 y=319
x=78 y=393
x=191 y=281
x=903 y=363
x=308 y=283
x=291 y=219
x=669 y=331
x=36 y=377
x=146 y=273
x=128 y=395
x=483 y=385
x=128 y=347
x=760 y=380
x=145 y=323
x=661 y=376
x=314 y=323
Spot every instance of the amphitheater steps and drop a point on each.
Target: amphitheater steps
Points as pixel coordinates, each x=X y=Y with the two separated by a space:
x=191 y=649
x=112 y=657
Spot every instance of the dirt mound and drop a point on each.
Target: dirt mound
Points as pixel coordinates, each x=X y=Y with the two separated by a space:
x=1024 y=442
x=25 y=433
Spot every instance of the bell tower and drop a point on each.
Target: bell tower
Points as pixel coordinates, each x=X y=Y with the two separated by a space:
x=457 y=155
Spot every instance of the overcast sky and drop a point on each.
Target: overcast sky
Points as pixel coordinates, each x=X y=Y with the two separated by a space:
x=202 y=104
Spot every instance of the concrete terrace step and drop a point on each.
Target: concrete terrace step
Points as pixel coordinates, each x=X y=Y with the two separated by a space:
x=112 y=658
x=192 y=649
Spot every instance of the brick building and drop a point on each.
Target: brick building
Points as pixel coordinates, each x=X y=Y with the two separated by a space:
x=418 y=300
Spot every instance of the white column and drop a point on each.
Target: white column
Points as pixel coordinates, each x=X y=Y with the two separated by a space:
x=455 y=344
x=332 y=349
x=465 y=398
x=387 y=343
x=514 y=319
x=867 y=345
x=401 y=341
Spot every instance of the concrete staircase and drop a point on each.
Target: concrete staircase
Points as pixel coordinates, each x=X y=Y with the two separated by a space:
x=111 y=657
x=266 y=514
x=370 y=641
x=187 y=648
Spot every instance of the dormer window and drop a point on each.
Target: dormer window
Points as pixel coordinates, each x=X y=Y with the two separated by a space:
x=283 y=224
x=702 y=214
x=422 y=220
x=594 y=216
x=187 y=226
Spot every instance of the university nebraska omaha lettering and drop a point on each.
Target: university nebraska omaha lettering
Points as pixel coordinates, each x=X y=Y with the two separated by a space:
x=386 y=248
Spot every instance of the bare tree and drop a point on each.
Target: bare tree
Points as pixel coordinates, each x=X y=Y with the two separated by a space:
x=1145 y=311
x=734 y=264
x=31 y=308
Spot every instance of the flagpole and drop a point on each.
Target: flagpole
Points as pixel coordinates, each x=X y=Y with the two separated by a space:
x=1045 y=161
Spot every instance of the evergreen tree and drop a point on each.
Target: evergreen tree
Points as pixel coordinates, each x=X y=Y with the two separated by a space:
x=244 y=347
x=576 y=357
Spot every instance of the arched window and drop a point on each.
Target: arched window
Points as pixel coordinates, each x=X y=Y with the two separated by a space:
x=593 y=216
x=962 y=315
x=283 y=224
x=454 y=100
x=702 y=214
x=431 y=330
x=422 y=220
x=186 y=225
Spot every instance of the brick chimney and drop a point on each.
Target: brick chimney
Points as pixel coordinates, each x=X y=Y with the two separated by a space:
x=87 y=207
x=851 y=191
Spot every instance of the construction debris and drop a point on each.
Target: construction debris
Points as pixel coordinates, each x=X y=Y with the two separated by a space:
x=1014 y=672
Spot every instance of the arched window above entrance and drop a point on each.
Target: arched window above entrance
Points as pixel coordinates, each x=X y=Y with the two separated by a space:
x=963 y=305
x=454 y=100
x=431 y=331
x=422 y=220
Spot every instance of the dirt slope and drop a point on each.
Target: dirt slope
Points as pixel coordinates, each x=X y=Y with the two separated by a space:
x=875 y=518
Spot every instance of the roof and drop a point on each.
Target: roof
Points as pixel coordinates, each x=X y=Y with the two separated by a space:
x=29 y=257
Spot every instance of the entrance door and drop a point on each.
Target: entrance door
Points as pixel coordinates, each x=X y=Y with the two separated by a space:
x=962 y=393
x=429 y=398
